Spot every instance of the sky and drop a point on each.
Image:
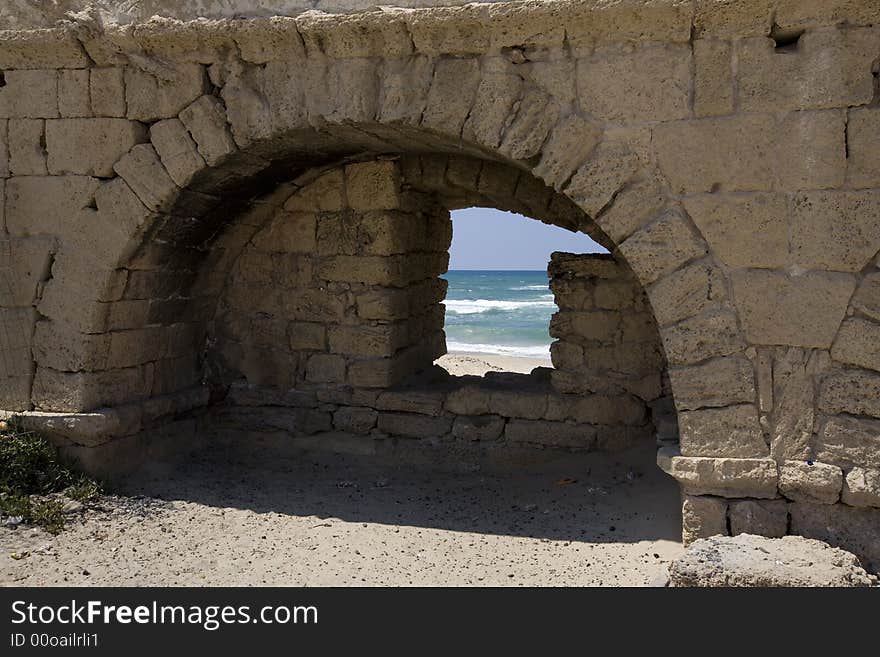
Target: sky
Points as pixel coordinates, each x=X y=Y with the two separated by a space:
x=484 y=238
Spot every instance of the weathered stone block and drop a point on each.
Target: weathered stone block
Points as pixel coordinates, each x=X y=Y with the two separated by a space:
x=835 y=230
x=850 y=391
x=205 y=119
x=804 y=310
x=177 y=150
x=493 y=103
x=713 y=77
x=850 y=442
x=478 y=427
x=552 y=434
x=36 y=205
x=759 y=517
x=863 y=144
x=662 y=247
x=536 y=114
x=853 y=529
x=725 y=432
x=858 y=343
x=632 y=208
x=149 y=97
x=373 y=185
x=451 y=94
x=570 y=143
x=827 y=68
x=861 y=487
x=735 y=153
x=611 y=165
x=468 y=400
x=27 y=154
x=380 y=340
x=427 y=402
x=810 y=481
x=107 y=92
x=89 y=147
x=355 y=419
x=29 y=94
x=718 y=382
x=702 y=517
x=73 y=93
x=325 y=368
x=812 y=150
x=414 y=425
x=743 y=230
x=306 y=335
x=687 y=292
x=867 y=296
x=648 y=83
x=709 y=335
x=518 y=403
x=725 y=477
x=142 y=169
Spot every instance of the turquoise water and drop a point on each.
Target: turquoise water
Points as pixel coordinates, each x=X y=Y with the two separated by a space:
x=499 y=312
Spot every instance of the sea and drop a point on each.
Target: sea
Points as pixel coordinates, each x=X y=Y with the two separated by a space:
x=499 y=312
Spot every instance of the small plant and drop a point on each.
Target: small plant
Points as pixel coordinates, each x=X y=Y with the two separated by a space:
x=31 y=475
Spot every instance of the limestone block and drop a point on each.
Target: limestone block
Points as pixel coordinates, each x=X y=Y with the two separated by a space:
x=661 y=247
x=496 y=94
x=861 y=487
x=27 y=154
x=743 y=230
x=518 y=403
x=597 y=409
x=177 y=150
x=380 y=340
x=725 y=477
x=356 y=419
x=142 y=169
x=569 y=145
x=715 y=383
x=551 y=434
x=90 y=147
x=858 y=343
x=397 y=270
x=73 y=93
x=709 y=335
x=609 y=168
x=648 y=83
x=325 y=368
x=687 y=292
x=451 y=95
x=804 y=310
x=536 y=114
x=426 y=402
x=600 y=325
x=468 y=400
x=403 y=89
x=478 y=427
x=205 y=119
x=761 y=517
x=735 y=153
x=29 y=94
x=867 y=296
x=702 y=517
x=850 y=442
x=827 y=68
x=448 y=30
x=632 y=208
x=615 y=295
x=794 y=373
x=84 y=391
x=628 y=21
x=312 y=306
x=812 y=150
x=36 y=204
x=792 y=14
x=4 y=155
x=414 y=425
x=855 y=392
x=366 y=35
x=326 y=193
x=810 y=481
x=713 y=77
x=373 y=185
x=835 y=230
x=757 y=561
x=107 y=92
x=853 y=529
x=288 y=232
x=863 y=144
x=24 y=264
x=733 y=432
x=149 y=97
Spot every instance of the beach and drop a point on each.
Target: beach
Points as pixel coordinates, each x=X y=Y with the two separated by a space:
x=477 y=364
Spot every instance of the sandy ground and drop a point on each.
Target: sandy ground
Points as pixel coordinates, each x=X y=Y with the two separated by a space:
x=584 y=519
x=593 y=520
x=461 y=364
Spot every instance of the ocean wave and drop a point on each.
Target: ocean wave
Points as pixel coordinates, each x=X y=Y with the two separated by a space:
x=529 y=287
x=540 y=351
x=472 y=306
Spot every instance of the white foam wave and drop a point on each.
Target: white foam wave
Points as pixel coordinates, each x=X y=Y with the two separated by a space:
x=530 y=287
x=471 y=306
x=541 y=351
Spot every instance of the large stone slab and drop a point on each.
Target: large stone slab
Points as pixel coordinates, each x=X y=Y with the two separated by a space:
x=748 y=560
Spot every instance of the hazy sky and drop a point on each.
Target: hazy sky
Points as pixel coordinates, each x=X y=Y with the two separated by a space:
x=491 y=239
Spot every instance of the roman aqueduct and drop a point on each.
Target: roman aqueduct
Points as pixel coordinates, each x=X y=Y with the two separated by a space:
x=215 y=216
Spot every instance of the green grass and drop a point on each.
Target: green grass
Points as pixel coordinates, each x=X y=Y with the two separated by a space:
x=30 y=470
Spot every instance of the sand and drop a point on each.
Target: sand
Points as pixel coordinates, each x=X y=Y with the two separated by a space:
x=322 y=519
x=461 y=363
